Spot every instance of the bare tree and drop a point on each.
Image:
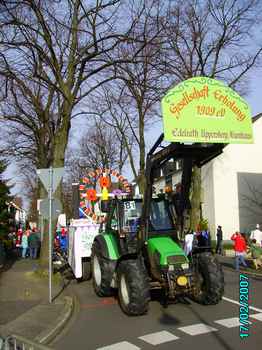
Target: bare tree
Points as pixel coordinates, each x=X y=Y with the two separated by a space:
x=212 y=38
x=99 y=148
x=129 y=103
x=50 y=60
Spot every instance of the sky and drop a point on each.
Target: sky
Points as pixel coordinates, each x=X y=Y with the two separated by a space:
x=255 y=97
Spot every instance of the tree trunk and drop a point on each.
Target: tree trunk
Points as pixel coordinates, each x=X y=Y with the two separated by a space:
x=43 y=262
x=142 y=151
x=196 y=198
x=60 y=144
x=141 y=181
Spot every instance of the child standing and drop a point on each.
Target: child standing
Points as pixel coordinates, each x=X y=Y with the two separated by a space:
x=24 y=244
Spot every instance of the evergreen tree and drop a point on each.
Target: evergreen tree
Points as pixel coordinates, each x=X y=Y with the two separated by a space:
x=4 y=198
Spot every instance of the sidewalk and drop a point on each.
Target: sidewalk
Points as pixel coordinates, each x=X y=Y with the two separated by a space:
x=228 y=262
x=24 y=305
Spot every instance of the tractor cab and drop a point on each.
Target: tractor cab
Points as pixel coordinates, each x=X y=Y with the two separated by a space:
x=124 y=220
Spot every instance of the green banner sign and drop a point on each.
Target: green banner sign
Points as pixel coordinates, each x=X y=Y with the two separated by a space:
x=206 y=110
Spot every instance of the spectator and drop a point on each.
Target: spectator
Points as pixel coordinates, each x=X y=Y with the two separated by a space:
x=256 y=254
x=240 y=248
x=257 y=235
x=63 y=241
x=28 y=232
x=219 y=240
x=203 y=238
x=33 y=242
x=24 y=244
x=18 y=241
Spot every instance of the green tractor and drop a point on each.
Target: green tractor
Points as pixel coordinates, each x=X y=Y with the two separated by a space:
x=139 y=248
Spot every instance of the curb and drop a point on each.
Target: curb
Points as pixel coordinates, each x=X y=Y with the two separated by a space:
x=52 y=331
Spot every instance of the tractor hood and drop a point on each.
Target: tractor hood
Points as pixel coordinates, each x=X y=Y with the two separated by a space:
x=168 y=251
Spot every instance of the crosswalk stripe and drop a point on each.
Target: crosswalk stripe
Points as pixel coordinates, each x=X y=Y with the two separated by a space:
x=229 y=322
x=158 y=337
x=199 y=328
x=120 y=346
x=257 y=316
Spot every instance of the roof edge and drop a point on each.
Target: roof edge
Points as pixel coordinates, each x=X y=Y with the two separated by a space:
x=256 y=117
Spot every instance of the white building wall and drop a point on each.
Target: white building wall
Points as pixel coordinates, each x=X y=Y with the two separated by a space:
x=224 y=170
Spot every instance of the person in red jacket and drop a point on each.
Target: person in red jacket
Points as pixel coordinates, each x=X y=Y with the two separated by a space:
x=240 y=248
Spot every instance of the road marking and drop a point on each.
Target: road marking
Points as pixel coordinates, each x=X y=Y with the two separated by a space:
x=158 y=337
x=195 y=329
x=120 y=346
x=257 y=316
x=229 y=322
x=237 y=303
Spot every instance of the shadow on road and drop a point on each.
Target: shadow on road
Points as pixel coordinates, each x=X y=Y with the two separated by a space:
x=167 y=319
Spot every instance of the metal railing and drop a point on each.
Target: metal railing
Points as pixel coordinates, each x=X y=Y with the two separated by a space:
x=16 y=342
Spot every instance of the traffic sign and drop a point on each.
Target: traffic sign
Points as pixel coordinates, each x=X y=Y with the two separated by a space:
x=44 y=175
x=45 y=206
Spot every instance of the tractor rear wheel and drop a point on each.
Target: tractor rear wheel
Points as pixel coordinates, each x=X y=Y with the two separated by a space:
x=209 y=280
x=101 y=272
x=133 y=287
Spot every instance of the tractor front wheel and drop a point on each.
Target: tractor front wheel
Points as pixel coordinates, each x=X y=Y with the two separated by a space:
x=209 y=280
x=133 y=287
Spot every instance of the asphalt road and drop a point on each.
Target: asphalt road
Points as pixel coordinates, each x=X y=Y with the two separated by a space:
x=99 y=323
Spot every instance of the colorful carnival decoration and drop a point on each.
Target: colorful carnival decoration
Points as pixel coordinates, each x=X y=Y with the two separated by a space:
x=88 y=194
x=105 y=194
x=104 y=181
x=91 y=195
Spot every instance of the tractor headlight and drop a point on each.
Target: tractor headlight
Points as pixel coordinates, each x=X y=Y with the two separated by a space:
x=182 y=281
x=185 y=266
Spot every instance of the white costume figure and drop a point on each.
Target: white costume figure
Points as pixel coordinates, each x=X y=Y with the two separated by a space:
x=257 y=235
x=188 y=245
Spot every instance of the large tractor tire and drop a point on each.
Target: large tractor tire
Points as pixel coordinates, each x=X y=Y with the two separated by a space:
x=86 y=269
x=133 y=287
x=102 y=272
x=209 y=280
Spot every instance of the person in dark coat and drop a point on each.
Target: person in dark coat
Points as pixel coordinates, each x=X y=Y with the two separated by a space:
x=33 y=243
x=219 y=240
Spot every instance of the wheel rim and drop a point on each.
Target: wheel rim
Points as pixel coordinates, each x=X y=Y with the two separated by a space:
x=97 y=271
x=124 y=290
